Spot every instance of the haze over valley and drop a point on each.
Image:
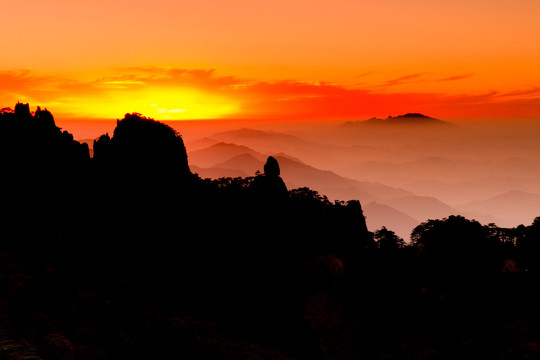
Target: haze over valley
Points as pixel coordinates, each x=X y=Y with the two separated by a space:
x=403 y=169
x=403 y=173
x=270 y=180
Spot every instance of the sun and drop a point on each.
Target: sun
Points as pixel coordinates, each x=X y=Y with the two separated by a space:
x=161 y=103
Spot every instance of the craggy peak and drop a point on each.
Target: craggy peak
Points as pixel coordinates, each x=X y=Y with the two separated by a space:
x=139 y=141
x=130 y=255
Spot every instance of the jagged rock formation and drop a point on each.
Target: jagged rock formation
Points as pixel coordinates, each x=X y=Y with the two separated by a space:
x=134 y=238
x=270 y=185
x=143 y=145
x=240 y=268
x=143 y=178
x=271 y=168
x=44 y=174
x=36 y=138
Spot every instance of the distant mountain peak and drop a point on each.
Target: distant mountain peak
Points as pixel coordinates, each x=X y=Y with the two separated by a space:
x=407 y=119
x=412 y=115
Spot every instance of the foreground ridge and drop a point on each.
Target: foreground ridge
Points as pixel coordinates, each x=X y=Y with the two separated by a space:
x=131 y=255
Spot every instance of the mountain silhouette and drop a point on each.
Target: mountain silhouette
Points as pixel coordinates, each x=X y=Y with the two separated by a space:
x=406 y=120
x=35 y=137
x=43 y=170
x=510 y=207
x=221 y=152
x=422 y=207
x=246 y=162
x=130 y=255
x=270 y=184
x=201 y=144
x=317 y=153
x=379 y=215
x=295 y=173
x=140 y=143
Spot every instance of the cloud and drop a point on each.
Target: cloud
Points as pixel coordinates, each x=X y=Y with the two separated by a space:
x=251 y=98
x=362 y=75
x=26 y=81
x=168 y=76
x=302 y=101
x=196 y=93
x=532 y=91
x=456 y=77
x=26 y=86
x=402 y=80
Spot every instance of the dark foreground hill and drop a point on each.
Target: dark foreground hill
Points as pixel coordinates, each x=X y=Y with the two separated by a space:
x=129 y=255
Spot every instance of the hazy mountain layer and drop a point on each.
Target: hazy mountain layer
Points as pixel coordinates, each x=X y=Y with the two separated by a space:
x=454 y=165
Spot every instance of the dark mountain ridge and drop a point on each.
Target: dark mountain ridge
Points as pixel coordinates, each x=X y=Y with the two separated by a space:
x=409 y=119
x=163 y=264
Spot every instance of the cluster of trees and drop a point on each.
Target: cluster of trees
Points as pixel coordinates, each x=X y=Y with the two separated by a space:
x=129 y=254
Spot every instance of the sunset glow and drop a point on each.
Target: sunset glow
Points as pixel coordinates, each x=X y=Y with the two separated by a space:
x=256 y=179
x=165 y=104
x=279 y=60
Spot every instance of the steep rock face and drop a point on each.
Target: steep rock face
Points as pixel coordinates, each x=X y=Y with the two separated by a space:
x=357 y=217
x=37 y=139
x=145 y=145
x=44 y=173
x=271 y=168
x=270 y=185
x=143 y=178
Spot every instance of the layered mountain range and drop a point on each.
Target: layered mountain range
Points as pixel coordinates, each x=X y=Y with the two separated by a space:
x=401 y=181
x=404 y=169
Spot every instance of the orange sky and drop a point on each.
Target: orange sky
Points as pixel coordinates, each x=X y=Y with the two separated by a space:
x=317 y=59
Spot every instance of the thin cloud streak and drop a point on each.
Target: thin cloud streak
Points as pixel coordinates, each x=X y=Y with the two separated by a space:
x=286 y=99
x=402 y=80
x=456 y=77
x=532 y=91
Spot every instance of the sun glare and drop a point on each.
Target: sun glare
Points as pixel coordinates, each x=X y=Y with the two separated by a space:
x=160 y=104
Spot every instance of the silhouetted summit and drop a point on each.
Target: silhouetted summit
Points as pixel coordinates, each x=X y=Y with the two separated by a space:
x=270 y=184
x=271 y=168
x=142 y=144
x=118 y=257
x=408 y=119
x=44 y=171
x=415 y=116
x=36 y=137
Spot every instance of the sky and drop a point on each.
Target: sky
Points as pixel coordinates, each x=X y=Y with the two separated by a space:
x=277 y=60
